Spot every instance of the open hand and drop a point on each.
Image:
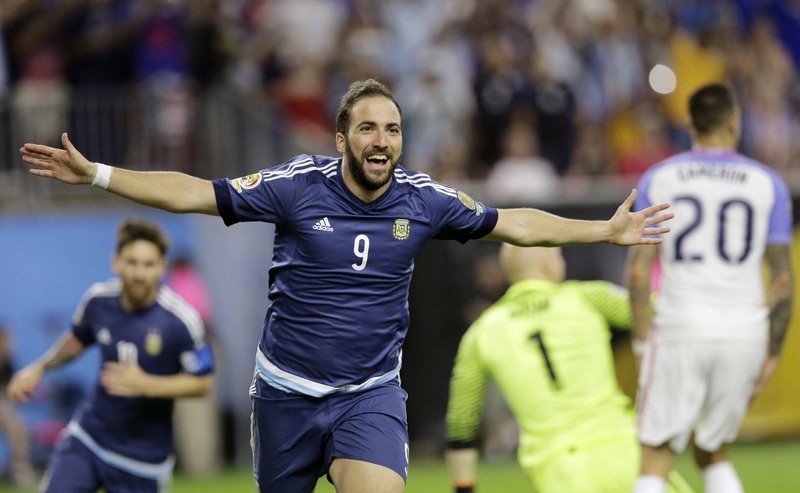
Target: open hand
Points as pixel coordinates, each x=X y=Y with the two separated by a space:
x=66 y=165
x=636 y=228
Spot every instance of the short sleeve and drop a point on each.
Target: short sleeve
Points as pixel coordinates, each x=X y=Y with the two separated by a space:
x=780 y=220
x=82 y=316
x=461 y=217
x=265 y=196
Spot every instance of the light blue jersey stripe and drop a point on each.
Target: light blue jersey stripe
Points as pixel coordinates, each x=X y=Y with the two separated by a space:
x=288 y=382
x=157 y=472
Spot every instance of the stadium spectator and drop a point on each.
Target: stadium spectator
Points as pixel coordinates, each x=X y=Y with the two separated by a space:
x=153 y=349
x=13 y=427
x=326 y=394
x=576 y=63
x=715 y=338
x=36 y=35
x=522 y=175
x=546 y=344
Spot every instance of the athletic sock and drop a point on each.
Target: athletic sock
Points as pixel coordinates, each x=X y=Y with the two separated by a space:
x=650 y=484
x=721 y=477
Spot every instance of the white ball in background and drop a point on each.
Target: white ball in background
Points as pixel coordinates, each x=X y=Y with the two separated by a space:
x=662 y=79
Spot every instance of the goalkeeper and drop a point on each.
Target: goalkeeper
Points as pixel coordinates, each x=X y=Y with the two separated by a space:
x=546 y=343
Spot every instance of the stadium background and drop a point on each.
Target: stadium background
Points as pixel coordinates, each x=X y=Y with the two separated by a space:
x=539 y=103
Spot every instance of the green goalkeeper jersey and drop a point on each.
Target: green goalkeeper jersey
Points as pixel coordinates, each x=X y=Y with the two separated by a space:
x=547 y=346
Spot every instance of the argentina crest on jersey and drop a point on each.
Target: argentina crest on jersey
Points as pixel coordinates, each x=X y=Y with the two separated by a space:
x=401 y=229
x=152 y=342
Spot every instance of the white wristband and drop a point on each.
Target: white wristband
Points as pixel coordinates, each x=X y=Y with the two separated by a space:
x=638 y=347
x=102 y=177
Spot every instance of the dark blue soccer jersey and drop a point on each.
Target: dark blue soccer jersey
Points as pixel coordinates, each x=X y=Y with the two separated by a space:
x=341 y=267
x=164 y=339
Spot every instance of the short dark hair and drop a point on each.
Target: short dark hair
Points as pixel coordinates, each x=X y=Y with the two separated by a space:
x=358 y=90
x=134 y=228
x=710 y=106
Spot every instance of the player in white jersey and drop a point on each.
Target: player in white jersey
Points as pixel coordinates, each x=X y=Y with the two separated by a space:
x=716 y=336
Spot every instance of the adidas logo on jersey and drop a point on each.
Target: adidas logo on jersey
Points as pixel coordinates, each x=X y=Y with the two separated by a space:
x=324 y=225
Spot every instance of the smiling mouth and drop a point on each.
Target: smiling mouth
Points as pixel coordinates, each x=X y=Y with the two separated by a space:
x=378 y=160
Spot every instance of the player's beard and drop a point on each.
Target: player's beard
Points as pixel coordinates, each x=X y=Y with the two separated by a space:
x=139 y=295
x=359 y=173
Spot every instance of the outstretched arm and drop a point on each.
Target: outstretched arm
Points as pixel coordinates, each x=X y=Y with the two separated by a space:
x=171 y=191
x=24 y=382
x=533 y=227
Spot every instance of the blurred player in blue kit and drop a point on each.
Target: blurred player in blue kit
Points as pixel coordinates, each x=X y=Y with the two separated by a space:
x=153 y=348
x=716 y=336
x=326 y=394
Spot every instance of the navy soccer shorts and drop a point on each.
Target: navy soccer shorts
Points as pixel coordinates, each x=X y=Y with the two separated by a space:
x=76 y=469
x=295 y=437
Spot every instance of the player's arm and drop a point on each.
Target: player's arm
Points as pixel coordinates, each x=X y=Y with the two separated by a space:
x=24 y=382
x=780 y=294
x=464 y=408
x=610 y=300
x=129 y=380
x=170 y=191
x=462 y=464
x=638 y=269
x=533 y=227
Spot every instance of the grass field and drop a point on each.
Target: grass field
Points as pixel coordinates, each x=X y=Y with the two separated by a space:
x=772 y=467
x=764 y=468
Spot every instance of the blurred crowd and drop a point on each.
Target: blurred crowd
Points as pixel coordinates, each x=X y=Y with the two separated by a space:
x=516 y=93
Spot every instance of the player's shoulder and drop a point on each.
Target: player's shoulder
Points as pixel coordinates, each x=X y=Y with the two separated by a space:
x=182 y=311
x=297 y=171
x=709 y=157
x=303 y=167
x=771 y=172
x=434 y=194
x=97 y=296
x=422 y=184
x=110 y=288
x=596 y=287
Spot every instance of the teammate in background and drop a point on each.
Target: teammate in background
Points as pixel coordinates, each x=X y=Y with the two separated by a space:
x=326 y=395
x=11 y=424
x=547 y=345
x=716 y=338
x=153 y=348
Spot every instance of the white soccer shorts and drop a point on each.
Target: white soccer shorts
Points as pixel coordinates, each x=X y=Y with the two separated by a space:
x=700 y=386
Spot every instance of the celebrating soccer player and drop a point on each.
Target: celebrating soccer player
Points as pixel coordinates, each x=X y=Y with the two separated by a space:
x=326 y=394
